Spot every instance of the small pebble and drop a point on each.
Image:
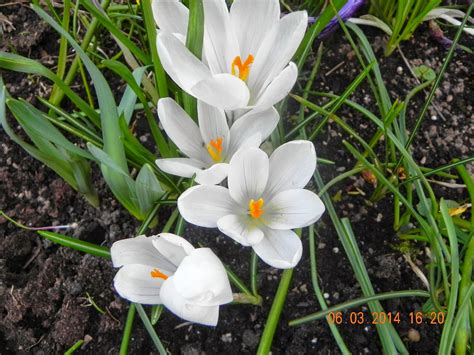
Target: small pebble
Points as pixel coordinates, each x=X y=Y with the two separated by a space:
x=335 y=250
x=326 y=295
x=399 y=70
x=227 y=338
x=434 y=118
x=414 y=335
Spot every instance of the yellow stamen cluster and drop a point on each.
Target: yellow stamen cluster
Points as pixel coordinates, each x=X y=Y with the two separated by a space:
x=244 y=68
x=214 y=148
x=256 y=208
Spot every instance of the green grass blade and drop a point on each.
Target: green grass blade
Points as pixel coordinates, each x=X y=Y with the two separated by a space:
x=357 y=303
x=76 y=244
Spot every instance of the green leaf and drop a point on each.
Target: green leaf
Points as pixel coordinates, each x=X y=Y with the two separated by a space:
x=129 y=98
x=33 y=120
x=148 y=189
x=115 y=31
x=76 y=244
x=425 y=73
x=21 y=64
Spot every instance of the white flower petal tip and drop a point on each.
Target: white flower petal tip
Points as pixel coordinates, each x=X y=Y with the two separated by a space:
x=183 y=167
x=294 y=209
x=191 y=282
x=206 y=315
x=280 y=249
x=224 y=91
x=203 y=205
x=235 y=227
x=214 y=175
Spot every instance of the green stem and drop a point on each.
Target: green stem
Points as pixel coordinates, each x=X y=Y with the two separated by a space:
x=127 y=331
x=58 y=95
x=275 y=312
x=151 y=331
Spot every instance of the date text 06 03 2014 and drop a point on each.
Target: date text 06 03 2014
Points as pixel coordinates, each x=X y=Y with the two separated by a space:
x=360 y=318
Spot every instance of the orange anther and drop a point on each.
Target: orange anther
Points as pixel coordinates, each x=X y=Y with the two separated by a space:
x=157 y=274
x=214 y=148
x=256 y=208
x=244 y=68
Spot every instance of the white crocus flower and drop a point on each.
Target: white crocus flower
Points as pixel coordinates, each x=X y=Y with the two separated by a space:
x=210 y=146
x=264 y=202
x=246 y=52
x=166 y=269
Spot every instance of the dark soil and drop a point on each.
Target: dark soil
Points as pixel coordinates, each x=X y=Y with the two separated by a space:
x=44 y=289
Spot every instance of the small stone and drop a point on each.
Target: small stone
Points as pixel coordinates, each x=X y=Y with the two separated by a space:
x=414 y=335
x=434 y=117
x=250 y=338
x=326 y=295
x=335 y=250
x=399 y=70
x=314 y=340
x=227 y=338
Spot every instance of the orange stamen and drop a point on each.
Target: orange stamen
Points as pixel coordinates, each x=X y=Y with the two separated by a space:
x=214 y=148
x=256 y=208
x=157 y=274
x=244 y=69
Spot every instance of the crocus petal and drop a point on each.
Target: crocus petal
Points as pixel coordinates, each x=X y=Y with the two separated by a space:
x=224 y=91
x=262 y=122
x=281 y=249
x=213 y=124
x=180 y=64
x=277 y=49
x=248 y=175
x=171 y=16
x=190 y=312
x=279 y=88
x=202 y=280
x=293 y=209
x=238 y=228
x=183 y=167
x=220 y=42
x=214 y=175
x=182 y=130
x=203 y=205
x=173 y=247
x=138 y=250
x=251 y=21
x=135 y=283
x=291 y=167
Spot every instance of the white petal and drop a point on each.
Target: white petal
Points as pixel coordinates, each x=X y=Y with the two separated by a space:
x=181 y=129
x=138 y=250
x=238 y=228
x=281 y=249
x=214 y=175
x=248 y=175
x=179 y=306
x=254 y=121
x=203 y=205
x=279 y=88
x=202 y=280
x=183 y=167
x=180 y=64
x=220 y=42
x=135 y=283
x=224 y=91
x=277 y=49
x=293 y=209
x=251 y=21
x=213 y=124
x=171 y=16
x=173 y=247
x=292 y=166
